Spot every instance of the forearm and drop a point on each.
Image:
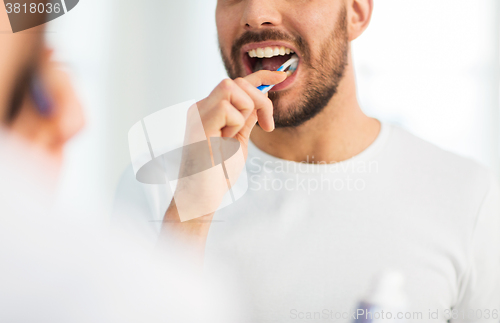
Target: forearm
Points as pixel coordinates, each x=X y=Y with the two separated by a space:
x=186 y=239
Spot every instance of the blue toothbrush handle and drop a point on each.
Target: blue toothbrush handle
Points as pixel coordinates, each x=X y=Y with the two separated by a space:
x=265 y=88
x=43 y=101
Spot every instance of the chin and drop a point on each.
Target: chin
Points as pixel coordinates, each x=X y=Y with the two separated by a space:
x=286 y=100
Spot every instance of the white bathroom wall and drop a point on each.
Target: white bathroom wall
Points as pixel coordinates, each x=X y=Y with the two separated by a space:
x=433 y=67
x=80 y=39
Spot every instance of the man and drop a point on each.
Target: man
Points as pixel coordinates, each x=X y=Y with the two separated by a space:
x=24 y=59
x=334 y=196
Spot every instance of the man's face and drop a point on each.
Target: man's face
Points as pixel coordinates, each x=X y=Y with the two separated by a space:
x=19 y=54
x=316 y=30
x=24 y=63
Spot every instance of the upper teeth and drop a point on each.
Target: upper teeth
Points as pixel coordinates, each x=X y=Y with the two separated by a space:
x=268 y=52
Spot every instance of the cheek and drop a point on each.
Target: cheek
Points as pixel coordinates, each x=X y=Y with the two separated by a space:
x=227 y=21
x=314 y=21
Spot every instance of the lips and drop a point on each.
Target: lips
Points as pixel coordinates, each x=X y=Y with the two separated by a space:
x=268 y=56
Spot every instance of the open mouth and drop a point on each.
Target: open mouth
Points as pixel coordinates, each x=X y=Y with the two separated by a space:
x=268 y=58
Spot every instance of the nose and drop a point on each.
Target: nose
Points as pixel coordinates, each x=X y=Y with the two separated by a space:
x=260 y=14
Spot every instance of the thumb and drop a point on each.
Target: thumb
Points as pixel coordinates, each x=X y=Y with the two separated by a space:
x=265 y=77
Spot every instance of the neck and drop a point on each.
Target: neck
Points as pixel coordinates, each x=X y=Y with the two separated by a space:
x=337 y=133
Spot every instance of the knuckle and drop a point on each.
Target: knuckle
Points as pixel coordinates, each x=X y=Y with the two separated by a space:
x=251 y=104
x=265 y=104
x=226 y=85
x=240 y=81
x=241 y=121
x=268 y=103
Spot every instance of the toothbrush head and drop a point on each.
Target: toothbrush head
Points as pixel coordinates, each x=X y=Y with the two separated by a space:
x=290 y=65
x=293 y=67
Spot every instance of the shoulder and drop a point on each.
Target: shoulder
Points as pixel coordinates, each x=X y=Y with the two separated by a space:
x=422 y=155
x=437 y=171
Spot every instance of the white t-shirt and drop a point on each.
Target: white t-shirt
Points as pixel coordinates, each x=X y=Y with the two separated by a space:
x=306 y=240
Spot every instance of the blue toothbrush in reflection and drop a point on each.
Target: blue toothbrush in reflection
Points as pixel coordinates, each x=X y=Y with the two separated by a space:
x=40 y=96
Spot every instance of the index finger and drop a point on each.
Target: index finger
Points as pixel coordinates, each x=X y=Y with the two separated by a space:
x=264 y=77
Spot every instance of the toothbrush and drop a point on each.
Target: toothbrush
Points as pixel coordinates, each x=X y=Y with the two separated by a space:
x=39 y=94
x=292 y=63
